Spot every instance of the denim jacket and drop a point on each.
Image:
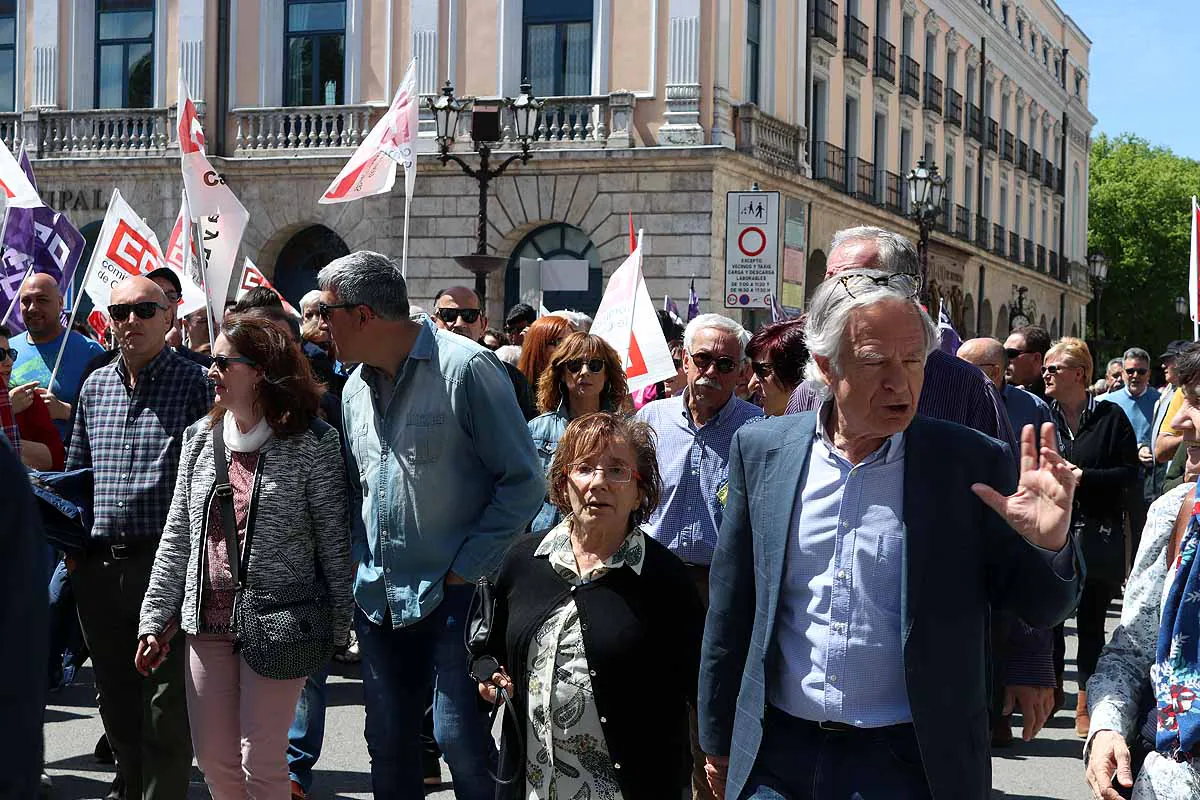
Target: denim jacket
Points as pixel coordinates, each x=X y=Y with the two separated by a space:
x=546 y=430
x=446 y=472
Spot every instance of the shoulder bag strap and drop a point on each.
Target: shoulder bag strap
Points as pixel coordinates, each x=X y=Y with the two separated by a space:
x=224 y=496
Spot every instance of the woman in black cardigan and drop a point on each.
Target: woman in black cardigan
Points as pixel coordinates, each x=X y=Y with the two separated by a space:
x=598 y=629
x=1098 y=439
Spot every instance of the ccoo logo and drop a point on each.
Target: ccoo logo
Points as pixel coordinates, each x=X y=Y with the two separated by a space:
x=130 y=251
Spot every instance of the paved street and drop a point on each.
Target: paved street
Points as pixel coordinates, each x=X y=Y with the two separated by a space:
x=1049 y=768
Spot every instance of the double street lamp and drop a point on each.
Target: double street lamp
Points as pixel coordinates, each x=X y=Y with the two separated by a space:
x=926 y=189
x=485 y=132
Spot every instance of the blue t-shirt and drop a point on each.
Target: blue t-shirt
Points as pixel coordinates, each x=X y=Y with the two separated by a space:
x=1140 y=410
x=35 y=362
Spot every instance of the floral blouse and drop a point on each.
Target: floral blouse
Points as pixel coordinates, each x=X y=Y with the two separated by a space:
x=1115 y=690
x=568 y=757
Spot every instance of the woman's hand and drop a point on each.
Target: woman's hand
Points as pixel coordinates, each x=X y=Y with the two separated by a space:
x=152 y=650
x=21 y=396
x=1109 y=755
x=490 y=690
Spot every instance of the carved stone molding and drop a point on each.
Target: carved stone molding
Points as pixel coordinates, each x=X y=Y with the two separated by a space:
x=1006 y=85
x=952 y=40
x=1020 y=97
x=931 y=21
x=1058 y=128
x=910 y=7
x=972 y=55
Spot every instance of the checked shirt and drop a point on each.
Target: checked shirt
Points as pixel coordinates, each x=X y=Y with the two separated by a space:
x=131 y=439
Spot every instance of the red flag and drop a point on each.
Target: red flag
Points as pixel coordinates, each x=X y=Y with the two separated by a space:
x=632 y=235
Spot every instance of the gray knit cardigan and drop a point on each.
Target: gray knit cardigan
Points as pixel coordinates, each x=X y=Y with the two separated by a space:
x=299 y=520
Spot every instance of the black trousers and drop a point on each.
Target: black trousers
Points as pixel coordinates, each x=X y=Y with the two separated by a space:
x=1089 y=619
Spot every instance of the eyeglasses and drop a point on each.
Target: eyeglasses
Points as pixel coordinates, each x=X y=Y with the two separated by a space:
x=857 y=283
x=451 y=315
x=325 y=310
x=619 y=473
x=8 y=354
x=1054 y=369
x=703 y=361
x=222 y=362
x=1132 y=371
x=1012 y=352
x=763 y=369
x=144 y=310
x=594 y=365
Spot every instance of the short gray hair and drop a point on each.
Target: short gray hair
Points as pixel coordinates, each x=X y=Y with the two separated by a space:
x=897 y=253
x=829 y=312
x=1120 y=362
x=310 y=298
x=719 y=322
x=370 y=279
x=1136 y=353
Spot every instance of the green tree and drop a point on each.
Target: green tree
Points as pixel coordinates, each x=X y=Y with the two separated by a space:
x=1139 y=200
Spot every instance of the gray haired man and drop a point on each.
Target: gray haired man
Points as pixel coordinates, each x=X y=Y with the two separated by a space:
x=1137 y=399
x=446 y=477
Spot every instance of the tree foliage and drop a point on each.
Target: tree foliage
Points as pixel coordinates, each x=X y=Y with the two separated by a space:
x=1139 y=200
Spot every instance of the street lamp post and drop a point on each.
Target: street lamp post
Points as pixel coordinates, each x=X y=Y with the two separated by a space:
x=925 y=190
x=1181 y=308
x=485 y=131
x=1097 y=274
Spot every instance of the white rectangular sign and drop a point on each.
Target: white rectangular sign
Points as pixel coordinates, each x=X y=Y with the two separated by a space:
x=751 y=248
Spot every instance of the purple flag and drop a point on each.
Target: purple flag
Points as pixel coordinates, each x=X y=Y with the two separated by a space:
x=26 y=167
x=693 y=302
x=40 y=238
x=777 y=312
x=672 y=309
x=949 y=339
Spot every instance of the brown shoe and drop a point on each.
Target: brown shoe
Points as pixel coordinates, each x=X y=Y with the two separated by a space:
x=1083 y=721
x=297 y=792
x=1002 y=735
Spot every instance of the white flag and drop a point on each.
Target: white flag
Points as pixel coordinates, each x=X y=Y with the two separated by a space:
x=372 y=168
x=626 y=320
x=17 y=188
x=180 y=257
x=126 y=247
x=252 y=278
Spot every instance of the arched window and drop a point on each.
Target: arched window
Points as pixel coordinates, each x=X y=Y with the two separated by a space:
x=558 y=46
x=550 y=242
x=314 y=46
x=124 y=53
x=304 y=255
x=985 y=318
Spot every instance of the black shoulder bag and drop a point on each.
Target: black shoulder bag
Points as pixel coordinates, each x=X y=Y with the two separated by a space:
x=481 y=666
x=282 y=633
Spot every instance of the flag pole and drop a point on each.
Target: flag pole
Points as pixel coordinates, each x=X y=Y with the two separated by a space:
x=404 y=245
x=212 y=339
x=633 y=305
x=12 y=306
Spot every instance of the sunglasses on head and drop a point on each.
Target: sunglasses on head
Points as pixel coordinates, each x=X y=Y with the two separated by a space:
x=222 y=362
x=1012 y=352
x=146 y=309
x=451 y=315
x=763 y=369
x=1132 y=371
x=703 y=361
x=325 y=310
x=8 y=353
x=594 y=365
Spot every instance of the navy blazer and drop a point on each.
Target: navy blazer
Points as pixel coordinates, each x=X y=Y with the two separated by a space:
x=959 y=558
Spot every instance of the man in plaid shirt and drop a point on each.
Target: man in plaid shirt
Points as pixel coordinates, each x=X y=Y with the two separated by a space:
x=129 y=429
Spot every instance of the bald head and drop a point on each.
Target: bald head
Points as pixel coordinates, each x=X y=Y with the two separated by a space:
x=138 y=289
x=41 y=307
x=140 y=338
x=988 y=355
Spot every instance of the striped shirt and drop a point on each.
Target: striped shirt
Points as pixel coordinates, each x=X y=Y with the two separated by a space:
x=694 y=464
x=131 y=439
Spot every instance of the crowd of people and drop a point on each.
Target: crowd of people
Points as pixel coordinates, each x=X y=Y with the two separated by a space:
x=829 y=544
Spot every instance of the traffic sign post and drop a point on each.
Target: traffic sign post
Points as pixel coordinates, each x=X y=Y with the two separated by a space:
x=751 y=249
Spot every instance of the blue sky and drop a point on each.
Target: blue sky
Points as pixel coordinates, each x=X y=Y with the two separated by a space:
x=1144 y=76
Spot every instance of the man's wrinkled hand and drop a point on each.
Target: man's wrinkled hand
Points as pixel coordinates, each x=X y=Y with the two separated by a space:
x=1036 y=704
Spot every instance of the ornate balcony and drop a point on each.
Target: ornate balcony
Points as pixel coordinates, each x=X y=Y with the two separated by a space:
x=993 y=135
x=275 y=131
x=885 y=60
x=1029 y=259
x=1041 y=258
x=962 y=223
x=890 y=192
x=933 y=93
x=857 y=40
x=1022 y=156
x=861 y=176
x=954 y=108
x=981 y=231
x=974 y=122
x=829 y=165
x=113 y=133
x=1006 y=147
x=1060 y=186
x=1014 y=247
x=910 y=78
x=1052 y=264
x=1035 y=165
x=823 y=20
x=998 y=239
x=762 y=136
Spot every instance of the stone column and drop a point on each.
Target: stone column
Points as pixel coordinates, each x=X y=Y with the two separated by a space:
x=191 y=46
x=45 y=55
x=682 y=125
x=620 y=105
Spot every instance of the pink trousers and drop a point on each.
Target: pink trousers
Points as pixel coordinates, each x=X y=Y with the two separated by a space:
x=239 y=722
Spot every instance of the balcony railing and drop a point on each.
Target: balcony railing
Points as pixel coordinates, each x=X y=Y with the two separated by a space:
x=1047 y=172
x=981 y=231
x=933 y=93
x=993 y=135
x=857 y=39
x=954 y=108
x=1035 y=165
x=1014 y=247
x=885 y=60
x=890 y=191
x=861 y=176
x=823 y=20
x=998 y=239
x=1060 y=187
x=974 y=122
x=1022 y=156
x=1007 y=148
x=1041 y=258
x=944 y=220
x=829 y=164
x=762 y=136
x=267 y=130
x=910 y=77
x=962 y=222
x=1029 y=259
x=100 y=132
x=584 y=121
x=1052 y=263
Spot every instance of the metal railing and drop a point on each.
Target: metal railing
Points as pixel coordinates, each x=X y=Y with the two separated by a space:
x=1041 y=258
x=962 y=223
x=1047 y=172
x=993 y=135
x=981 y=231
x=890 y=192
x=885 y=60
x=1014 y=247
x=823 y=20
x=767 y=138
x=944 y=220
x=1029 y=259
x=1060 y=186
x=1035 y=165
x=1022 y=156
x=860 y=176
x=910 y=77
x=933 y=93
x=829 y=164
x=1007 y=147
x=858 y=42
x=954 y=108
x=998 y=239
x=1052 y=263
x=974 y=122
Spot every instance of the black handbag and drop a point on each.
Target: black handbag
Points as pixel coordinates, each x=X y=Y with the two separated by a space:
x=482 y=665
x=1102 y=547
x=282 y=633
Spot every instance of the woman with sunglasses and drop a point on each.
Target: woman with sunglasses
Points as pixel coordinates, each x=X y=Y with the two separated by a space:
x=291 y=525
x=777 y=355
x=597 y=631
x=41 y=446
x=1098 y=440
x=540 y=340
x=584 y=376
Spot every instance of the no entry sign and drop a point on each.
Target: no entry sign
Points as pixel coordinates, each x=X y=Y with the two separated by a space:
x=751 y=248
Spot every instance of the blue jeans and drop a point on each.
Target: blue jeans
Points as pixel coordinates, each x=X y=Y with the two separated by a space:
x=397 y=668
x=799 y=761
x=66 y=637
x=307 y=733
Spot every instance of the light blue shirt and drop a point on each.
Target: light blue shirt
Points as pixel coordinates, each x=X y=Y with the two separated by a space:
x=445 y=470
x=693 y=462
x=1140 y=410
x=838 y=650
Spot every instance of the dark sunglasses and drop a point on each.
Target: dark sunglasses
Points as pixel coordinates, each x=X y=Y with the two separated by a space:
x=763 y=369
x=1136 y=371
x=703 y=361
x=1054 y=369
x=222 y=362
x=594 y=365
x=9 y=353
x=1012 y=352
x=451 y=315
x=325 y=310
x=144 y=310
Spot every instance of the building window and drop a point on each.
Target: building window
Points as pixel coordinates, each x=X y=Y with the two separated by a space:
x=1033 y=43
x=557 y=241
x=8 y=55
x=1078 y=82
x=124 y=53
x=1020 y=30
x=1045 y=55
x=558 y=46
x=314 y=53
x=753 y=38
x=1004 y=14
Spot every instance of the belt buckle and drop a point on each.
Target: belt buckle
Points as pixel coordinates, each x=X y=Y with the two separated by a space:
x=834 y=727
x=120 y=552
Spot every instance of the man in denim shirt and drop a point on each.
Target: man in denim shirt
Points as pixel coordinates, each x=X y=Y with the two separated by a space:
x=446 y=476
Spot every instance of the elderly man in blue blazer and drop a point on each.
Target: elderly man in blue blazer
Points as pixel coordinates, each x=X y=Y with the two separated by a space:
x=861 y=547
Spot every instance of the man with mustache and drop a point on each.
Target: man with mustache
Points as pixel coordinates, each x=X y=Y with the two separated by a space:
x=694 y=431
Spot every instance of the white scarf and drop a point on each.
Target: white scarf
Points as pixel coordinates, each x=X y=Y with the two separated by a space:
x=248 y=442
